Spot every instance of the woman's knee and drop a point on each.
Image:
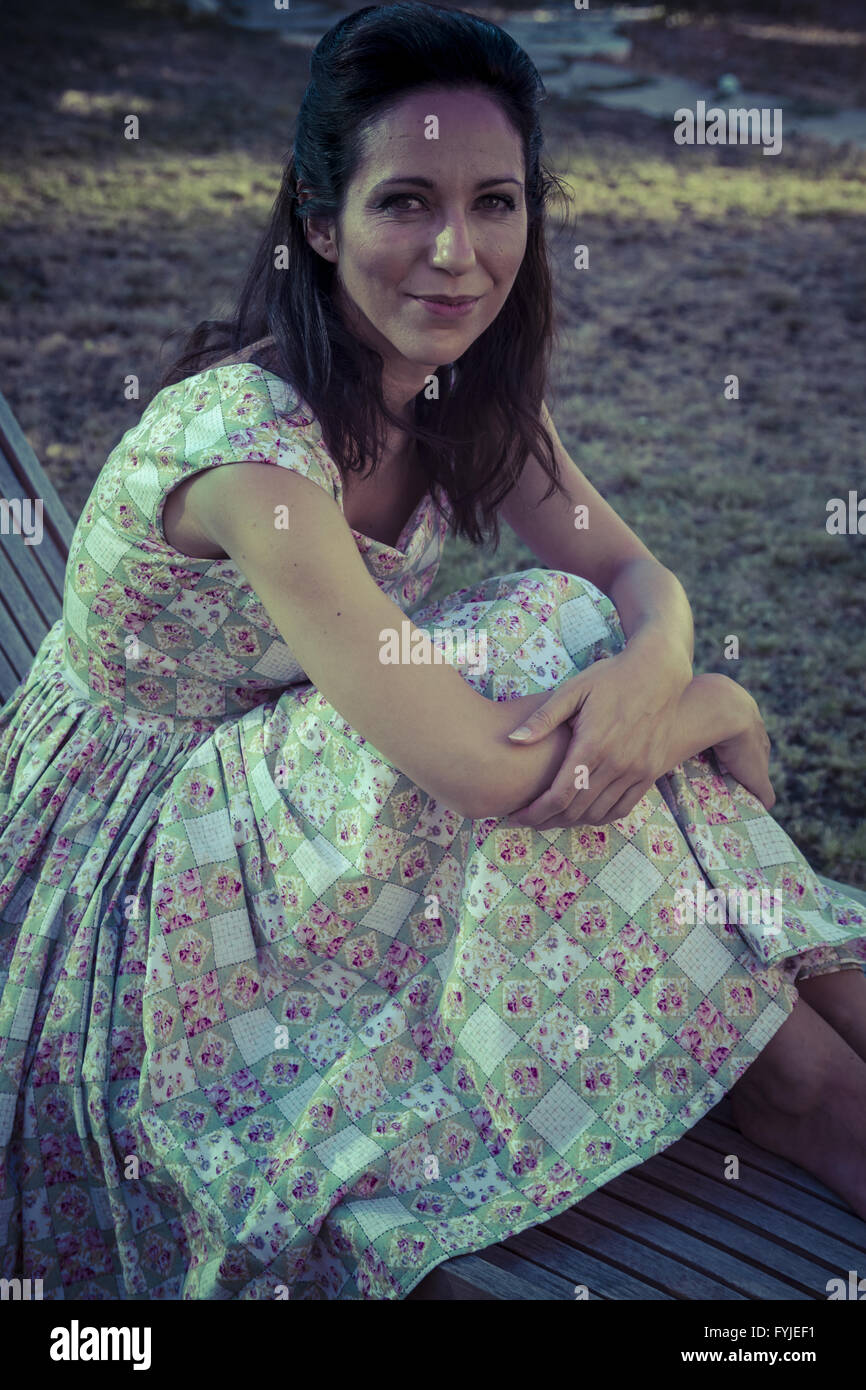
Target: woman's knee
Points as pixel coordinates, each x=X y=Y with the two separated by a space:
x=589 y=622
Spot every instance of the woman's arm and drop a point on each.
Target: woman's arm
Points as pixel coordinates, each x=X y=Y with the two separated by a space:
x=630 y=716
x=426 y=719
x=656 y=615
x=712 y=709
x=579 y=532
x=423 y=717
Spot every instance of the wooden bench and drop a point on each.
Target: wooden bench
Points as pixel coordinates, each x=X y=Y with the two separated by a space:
x=671 y=1228
x=675 y=1228
x=31 y=576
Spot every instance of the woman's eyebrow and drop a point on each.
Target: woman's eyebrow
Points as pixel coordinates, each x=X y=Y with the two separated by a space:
x=428 y=183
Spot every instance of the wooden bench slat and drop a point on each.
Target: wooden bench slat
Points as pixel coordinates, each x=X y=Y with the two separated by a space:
x=26 y=612
x=831 y=1219
x=725 y=1140
x=445 y=1284
x=44 y=606
x=670 y=1228
x=655 y=1269
x=721 y=1229
x=738 y=1201
x=474 y=1278
x=19 y=650
x=31 y=475
x=518 y=1258
x=544 y=1247
x=31 y=576
x=9 y=678
x=45 y=562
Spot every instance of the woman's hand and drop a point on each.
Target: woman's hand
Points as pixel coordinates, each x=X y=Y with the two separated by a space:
x=713 y=712
x=747 y=756
x=623 y=711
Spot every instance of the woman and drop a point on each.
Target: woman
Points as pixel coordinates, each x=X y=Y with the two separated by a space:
x=315 y=977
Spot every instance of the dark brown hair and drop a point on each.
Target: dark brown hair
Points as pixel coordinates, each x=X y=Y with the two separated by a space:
x=473 y=441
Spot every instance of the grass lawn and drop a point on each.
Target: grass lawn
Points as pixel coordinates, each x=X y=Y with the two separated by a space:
x=703 y=262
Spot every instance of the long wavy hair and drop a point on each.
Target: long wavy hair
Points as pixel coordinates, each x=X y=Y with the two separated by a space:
x=473 y=441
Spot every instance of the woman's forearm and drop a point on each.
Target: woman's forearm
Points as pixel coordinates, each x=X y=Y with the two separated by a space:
x=655 y=612
x=711 y=709
x=522 y=772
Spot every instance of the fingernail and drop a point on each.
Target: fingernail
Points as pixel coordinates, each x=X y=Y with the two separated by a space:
x=523 y=732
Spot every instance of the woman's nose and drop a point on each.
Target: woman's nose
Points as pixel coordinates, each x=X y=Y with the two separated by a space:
x=453 y=248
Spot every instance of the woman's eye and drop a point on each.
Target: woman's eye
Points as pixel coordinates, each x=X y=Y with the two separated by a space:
x=501 y=198
x=397 y=198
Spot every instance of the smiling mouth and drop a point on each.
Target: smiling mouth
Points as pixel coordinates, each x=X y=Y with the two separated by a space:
x=447 y=299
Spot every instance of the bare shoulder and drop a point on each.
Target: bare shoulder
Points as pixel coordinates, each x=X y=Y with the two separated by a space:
x=202 y=512
x=230 y=502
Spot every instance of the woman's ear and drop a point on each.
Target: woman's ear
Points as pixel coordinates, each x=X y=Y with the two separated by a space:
x=320 y=234
x=319 y=231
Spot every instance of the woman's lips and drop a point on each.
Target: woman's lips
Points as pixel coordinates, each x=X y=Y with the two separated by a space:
x=442 y=308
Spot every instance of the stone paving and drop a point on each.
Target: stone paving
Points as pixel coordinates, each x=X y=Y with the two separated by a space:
x=563 y=42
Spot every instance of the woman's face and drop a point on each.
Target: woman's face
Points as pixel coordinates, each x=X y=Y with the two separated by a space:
x=425 y=217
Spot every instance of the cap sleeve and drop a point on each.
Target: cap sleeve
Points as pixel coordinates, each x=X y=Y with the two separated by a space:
x=233 y=414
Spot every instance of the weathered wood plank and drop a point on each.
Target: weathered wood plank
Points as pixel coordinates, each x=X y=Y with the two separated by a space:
x=18 y=648
x=834 y=1223
x=28 y=563
x=675 y=1227
x=42 y=566
x=719 y=1228
x=31 y=576
x=543 y=1246
x=660 y=1272
x=9 y=678
x=471 y=1277
x=690 y=1175
x=727 y=1140
x=517 y=1256
x=15 y=446
x=25 y=615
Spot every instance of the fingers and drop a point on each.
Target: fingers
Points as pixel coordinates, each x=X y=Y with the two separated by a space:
x=564 y=702
x=617 y=800
x=558 y=809
x=633 y=797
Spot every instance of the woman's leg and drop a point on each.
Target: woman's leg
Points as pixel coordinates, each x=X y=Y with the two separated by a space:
x=840 y=998
x=804 y=1098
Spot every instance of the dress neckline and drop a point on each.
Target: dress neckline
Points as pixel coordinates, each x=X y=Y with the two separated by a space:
x=410 y=527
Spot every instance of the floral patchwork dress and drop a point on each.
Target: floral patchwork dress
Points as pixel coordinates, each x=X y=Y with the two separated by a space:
x=273 y=1022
